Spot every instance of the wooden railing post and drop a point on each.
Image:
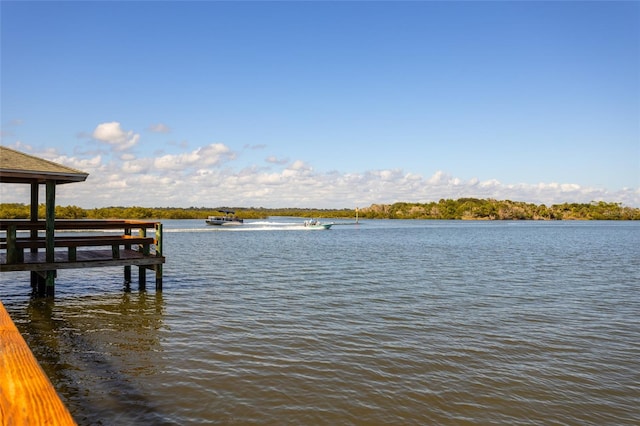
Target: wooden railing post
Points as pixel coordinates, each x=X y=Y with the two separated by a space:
x=144 y=248
x=127 y=269
x=12 y=249
x=50 y=220
x=158 y=244
x=142 y=270
x=115 y=251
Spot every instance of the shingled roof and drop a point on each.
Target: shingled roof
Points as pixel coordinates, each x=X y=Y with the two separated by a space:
x=18 y=167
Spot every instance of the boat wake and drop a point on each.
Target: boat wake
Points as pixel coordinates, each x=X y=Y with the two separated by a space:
x=246 y=227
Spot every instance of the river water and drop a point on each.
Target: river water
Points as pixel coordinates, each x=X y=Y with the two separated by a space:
x=386 y=322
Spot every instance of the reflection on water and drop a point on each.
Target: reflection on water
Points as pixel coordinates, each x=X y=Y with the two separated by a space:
x=87 y=345
x=391 y=322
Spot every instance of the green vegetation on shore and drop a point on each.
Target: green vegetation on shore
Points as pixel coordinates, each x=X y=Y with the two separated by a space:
x=463 y=208
x=477 y=209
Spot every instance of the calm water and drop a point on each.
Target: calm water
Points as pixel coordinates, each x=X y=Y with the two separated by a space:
x=389 y=322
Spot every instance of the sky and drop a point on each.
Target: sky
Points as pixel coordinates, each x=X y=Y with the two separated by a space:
x=322 y=104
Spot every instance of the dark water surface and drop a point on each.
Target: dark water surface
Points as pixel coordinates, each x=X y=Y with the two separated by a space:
x=388 y=322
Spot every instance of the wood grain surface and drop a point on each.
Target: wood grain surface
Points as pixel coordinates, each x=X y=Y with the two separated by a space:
x=26 y=394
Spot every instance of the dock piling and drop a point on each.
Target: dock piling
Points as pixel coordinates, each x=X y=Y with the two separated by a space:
x=158 y=268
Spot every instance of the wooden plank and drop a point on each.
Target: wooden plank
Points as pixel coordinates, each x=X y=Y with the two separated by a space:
x=26 y=394
x=84 y=240
x=85 y=259
x=50 y=219
x=74 y=224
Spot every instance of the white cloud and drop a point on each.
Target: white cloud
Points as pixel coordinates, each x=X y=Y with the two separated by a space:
x=159 y=128
x=21 y=146
x=275 y=160
x=491 y=183
x=207 y=156
x=137 y=166
x=112 y=134
x=438 y=177
x=206 y=177
x=88 y=164
x=269 y=179
x=300 y=165
x=386 y=175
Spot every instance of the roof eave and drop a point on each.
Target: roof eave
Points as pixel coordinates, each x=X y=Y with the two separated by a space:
x=25 y=176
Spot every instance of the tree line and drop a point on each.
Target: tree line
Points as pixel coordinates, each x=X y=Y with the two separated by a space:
x=22 y=211
x=461 y=209
x=489 y=209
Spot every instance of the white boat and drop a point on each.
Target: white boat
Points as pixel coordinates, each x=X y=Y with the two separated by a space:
x=226 y=219
x=315 y=224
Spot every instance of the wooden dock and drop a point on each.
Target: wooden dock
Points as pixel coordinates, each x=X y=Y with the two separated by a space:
x=81 y=244
x=26 y=394
x=44 y=246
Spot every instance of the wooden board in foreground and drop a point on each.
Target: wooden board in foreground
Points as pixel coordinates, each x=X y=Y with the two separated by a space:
x=26 y=394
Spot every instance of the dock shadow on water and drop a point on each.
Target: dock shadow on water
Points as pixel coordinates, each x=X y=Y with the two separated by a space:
x=98 y=387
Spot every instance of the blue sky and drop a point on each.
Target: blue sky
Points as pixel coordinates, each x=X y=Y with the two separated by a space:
x=325 y=104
